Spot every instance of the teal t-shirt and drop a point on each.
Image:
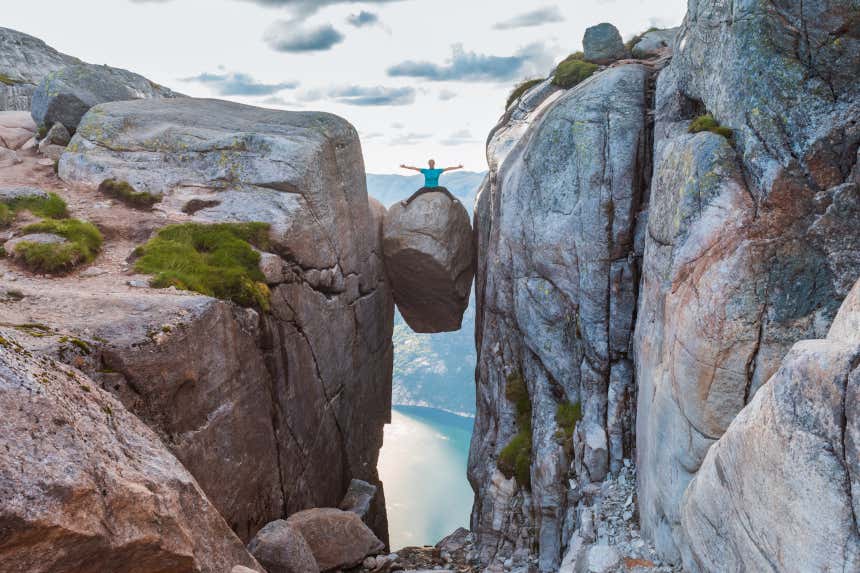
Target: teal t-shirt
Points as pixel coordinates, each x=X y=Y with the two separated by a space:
x=431 y=177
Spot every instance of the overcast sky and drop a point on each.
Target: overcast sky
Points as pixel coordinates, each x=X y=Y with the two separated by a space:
x=418 y=78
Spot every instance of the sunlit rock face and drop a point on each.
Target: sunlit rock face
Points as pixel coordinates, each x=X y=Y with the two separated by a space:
x=752 y=242
x=429 y=258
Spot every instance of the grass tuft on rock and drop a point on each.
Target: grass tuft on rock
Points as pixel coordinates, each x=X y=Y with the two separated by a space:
x=4 y=79
x=707 y=122
x=515 y=459
x=631 y=43
x=216 y=260
x=567 y=414
x=123 y=191
x=52 y=207
x=84 y=241
x=573 y=70
x=521 y=89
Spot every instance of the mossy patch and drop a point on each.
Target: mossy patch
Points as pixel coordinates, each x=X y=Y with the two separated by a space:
x=567 y=414
x=216 y=260
x=123 y=191
x=84 y=241
x=51 y=206
x=521 y=89
x=573 y=70
x=707 y=122
x=515 y=459
x=631 y=43
x=4 y=79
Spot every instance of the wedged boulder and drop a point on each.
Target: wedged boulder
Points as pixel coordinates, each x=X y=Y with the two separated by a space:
x=65 y=95
x=86 y=487
x=16 y=129
x=280 y=548
x=293 y=405
x=655 y=43
x=338 y=539
x=602 y=44
x=24 y=61
x=359 y=497
x=429 y=258
x=778 y=491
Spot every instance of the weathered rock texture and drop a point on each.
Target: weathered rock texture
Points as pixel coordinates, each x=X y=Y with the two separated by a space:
x=272 y=412
x=280 y=548
x=86 y=487
x=338 y=539
x=751 y=244
x=65 y=95
x=778 y=492
x=429 y=258
x=556 y=294
x=655 y=43
x=24 y=61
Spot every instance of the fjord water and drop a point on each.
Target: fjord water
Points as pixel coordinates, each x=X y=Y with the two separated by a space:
x=423 y=466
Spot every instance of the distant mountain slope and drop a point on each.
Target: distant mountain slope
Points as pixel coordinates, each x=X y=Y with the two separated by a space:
x=432 y=370
x=388 y=189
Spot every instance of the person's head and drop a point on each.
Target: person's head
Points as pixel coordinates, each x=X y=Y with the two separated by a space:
x=432 y=164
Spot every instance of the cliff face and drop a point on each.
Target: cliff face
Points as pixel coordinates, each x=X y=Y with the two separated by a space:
x=273 y=411
x=725 y=249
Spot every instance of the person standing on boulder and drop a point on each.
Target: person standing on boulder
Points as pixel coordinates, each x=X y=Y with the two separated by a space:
x=431 y=180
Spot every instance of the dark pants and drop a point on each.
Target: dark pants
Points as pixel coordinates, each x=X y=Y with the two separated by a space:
x=424 y=190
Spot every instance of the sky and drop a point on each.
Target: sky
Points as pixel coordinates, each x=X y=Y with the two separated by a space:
x=419 y=79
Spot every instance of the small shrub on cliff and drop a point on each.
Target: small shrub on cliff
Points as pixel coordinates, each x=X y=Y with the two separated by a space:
x=83 y=244
x=520 y=89
x=515 y=459
x=707 y=122
x=216 y=260
x=573 y=70
x=51 y=206
x=127 y=194
x=567 y=414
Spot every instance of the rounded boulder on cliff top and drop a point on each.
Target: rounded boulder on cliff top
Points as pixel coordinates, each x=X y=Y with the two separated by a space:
x=429 y=258
x=602 y=44
x=280 y=548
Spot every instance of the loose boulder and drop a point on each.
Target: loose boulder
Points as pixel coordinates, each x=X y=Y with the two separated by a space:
x=602 y=44
x=429 y=257
x=280 y=548
x=86 y=487
x=338 y=539
x=359 y=497
x=16 y=129
x=65 y=95
x=655 y=43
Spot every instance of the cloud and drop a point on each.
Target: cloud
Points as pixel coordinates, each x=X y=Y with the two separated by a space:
x=545 y=15
x=303 y=8
x=446 y=95
x=364 y=95
x=233 y=84
x=397 y=125
x=461 y=137
x=410 y=138
x=289 y=36
x=362 y=19
x=472 y=67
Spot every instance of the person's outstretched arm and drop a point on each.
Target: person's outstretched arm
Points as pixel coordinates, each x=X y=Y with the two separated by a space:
x=453 y=168
x=412 y=168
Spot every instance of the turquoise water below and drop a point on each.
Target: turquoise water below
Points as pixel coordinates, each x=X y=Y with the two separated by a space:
x=423 y=467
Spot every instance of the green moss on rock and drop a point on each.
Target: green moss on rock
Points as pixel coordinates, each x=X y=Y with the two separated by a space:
x=567 y=414
x=4 y=79
x=51 y=206
x=83 y=242
x=707 y=122
x=521 y=89
x=515 y=459
x=216 y=260
x=573 y=70
x=123 y=191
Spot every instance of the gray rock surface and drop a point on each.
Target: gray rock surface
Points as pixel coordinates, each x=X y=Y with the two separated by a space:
x=24 y=61
x=752 y=244
x=16 y=129
x=85 y=486
x=602 y=44
x=57 y=135
x=429 y=258
x=359 y=497
x=65 y=95
x=41 y=238
x=338 y=539
x=655 y=43
x=555 y=302
x=777 y=492
x=19 y=192
x=292 y=409
x=280 y=548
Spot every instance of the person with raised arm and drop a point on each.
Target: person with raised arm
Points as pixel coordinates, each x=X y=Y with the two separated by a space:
x=431 y=180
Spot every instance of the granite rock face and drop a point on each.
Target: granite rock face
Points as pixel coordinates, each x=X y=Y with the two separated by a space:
x=602 y=44
x=778 y=490
x=751 y=244
x=86 y=487
x=292 y=407
x=24 y=61
x=429 y=258
x=556 y=288
x=654 y=43
x=65 y=95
